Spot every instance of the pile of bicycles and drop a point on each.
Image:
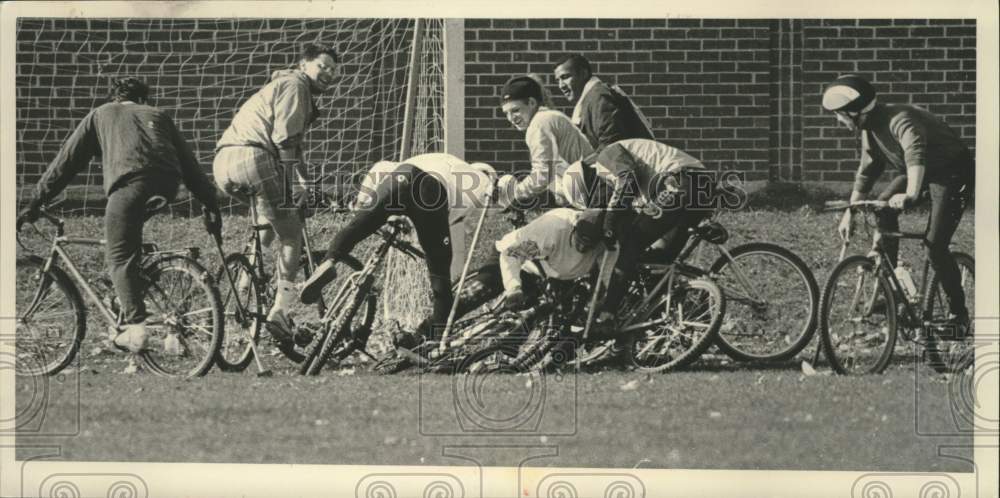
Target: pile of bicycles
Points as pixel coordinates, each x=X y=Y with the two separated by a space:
x=755 y=302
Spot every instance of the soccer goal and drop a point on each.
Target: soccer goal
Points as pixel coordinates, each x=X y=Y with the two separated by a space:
x=399 y=93
x=202 y=70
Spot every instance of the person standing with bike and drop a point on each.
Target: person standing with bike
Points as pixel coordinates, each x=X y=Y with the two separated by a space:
x=440 y=195
x=259 y=159
x=144 y=160
x=663 y=182
x=928 y=155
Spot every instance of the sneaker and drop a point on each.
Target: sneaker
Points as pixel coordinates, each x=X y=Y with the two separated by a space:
x=313 y=288
x=172 y=345
x=132 y=337
x=515 y=300
x=280 y=326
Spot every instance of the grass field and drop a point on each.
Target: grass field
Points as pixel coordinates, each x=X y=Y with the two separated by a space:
x=714 y=415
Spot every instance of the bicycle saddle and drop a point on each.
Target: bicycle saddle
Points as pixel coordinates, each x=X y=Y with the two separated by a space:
x=711 y=231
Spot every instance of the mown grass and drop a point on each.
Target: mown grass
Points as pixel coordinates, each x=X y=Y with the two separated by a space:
x=715 y=415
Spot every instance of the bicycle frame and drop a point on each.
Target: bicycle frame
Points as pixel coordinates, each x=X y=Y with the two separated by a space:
x=57 y=253
x=885 y=267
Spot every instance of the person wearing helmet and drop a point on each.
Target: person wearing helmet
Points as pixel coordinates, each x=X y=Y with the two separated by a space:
x=553 y=143
x=927 y=155
x=441 y=196
x=655 y=179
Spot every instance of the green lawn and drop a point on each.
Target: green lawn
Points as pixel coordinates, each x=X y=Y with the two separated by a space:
x=714 y=415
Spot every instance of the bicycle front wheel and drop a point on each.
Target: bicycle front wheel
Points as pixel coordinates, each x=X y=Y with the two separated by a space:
x=51 y=319
x=772 y=301
x=339 y=334
x=858 y=318
x=242 y=302
x=185 y=318
x=948 y=350
x=686 y=322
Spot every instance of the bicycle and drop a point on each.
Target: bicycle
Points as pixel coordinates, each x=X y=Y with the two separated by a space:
x=341 y=334
x=772 y=298
x=248 y=291
x=670 y=316
x=181 y=298
x=865 y=305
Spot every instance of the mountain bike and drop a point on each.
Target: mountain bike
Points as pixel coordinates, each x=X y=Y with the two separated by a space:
x=184 y=325
x=868 y=302
x=247 y=289
x=346 y=325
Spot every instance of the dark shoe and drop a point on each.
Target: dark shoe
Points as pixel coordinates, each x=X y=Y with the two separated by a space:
x=406 y=339
x=954 y=328
x=603 y=328
x=325 y=273
x=281 y=328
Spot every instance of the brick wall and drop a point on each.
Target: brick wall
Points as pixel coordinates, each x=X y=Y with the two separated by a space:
x=740 y=94
x=202 y=71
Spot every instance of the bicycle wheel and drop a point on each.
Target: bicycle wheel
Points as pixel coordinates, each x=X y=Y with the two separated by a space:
x=185 y=317
x=947 y=352
x=243 y=310
x=772 y=300
x=858 y=318
x=51 y=319
x=688 y=319
x=339 y=333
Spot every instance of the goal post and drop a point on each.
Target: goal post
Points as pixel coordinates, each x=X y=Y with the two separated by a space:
x=202 y=70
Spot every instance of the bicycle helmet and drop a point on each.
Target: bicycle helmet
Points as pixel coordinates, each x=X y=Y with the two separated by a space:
x=848 y=93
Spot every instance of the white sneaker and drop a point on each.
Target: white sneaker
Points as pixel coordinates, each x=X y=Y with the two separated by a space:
x=132 y=338
x=172 y=346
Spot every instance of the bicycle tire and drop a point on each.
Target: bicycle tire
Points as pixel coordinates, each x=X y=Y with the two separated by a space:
x=785 y=323
x=339 y=332
x=945 y=354
x=242 y=324
x=837 y=339
x=172 y=284
x=692 y=348
x=33 y=357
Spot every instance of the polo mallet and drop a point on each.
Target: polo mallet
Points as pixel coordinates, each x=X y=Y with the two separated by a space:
x=465 y=270
x=843 y=252
x=600 y=279
x=217 y=237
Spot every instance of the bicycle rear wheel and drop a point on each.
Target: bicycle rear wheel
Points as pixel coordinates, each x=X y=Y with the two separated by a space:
x=946 y=350
x=51 y=319
x=242 y=302
x=185 y=317
x=772 y=300
x=858 y=318
x=688 y=319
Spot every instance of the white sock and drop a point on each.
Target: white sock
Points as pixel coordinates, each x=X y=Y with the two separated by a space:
x=284 y=297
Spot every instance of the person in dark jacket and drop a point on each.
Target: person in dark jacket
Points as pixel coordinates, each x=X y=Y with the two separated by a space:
x=928 y=155
x=144 y=159
x=603 y=112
